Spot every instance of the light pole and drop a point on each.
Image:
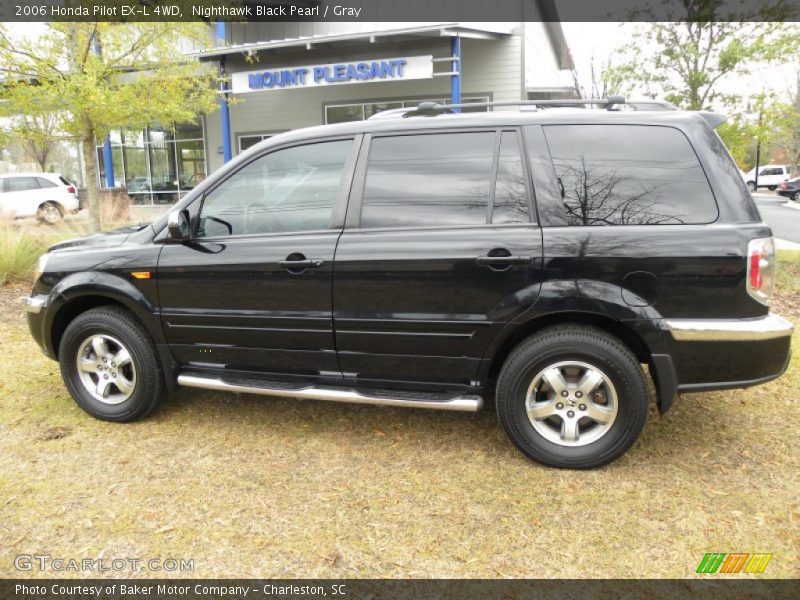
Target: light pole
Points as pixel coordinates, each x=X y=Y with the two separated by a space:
x=758 y=137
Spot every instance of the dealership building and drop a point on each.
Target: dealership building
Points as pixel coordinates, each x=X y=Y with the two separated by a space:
x=283 y=76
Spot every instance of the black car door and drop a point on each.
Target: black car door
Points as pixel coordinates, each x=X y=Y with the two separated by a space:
x=439 y=251
x=251 y=290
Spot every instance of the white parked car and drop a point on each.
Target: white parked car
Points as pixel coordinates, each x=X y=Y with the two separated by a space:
x=769 y=176
x=46 y=196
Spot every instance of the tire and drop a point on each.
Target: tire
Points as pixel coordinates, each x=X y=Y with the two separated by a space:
x=573 y=351
x=772 y=188
x=50 y=213
x=751 y=185
x=795 y=196
x=132 y=388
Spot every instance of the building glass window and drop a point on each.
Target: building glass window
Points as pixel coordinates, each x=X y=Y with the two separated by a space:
x=342 y=113
x=251 y=139
x=158 y=165
x=116 y=156
x=136 y=163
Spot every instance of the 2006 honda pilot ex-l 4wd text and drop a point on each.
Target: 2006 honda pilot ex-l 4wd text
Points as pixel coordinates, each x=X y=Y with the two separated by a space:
x=426 y=259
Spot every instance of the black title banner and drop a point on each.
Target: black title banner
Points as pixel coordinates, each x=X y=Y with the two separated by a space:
x=440 y=11
x=390 y=589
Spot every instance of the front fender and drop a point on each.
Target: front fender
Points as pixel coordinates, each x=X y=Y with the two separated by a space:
x=139 y=298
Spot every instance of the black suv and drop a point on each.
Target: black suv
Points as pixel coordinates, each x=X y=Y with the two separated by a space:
x=436 y=260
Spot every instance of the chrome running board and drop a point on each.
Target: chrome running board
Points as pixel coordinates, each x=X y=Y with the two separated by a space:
x=462 y=403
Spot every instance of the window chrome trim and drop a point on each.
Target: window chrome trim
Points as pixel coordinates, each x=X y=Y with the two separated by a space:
x=769 y=327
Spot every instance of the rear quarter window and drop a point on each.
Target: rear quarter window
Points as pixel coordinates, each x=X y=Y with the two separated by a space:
x=629 y=175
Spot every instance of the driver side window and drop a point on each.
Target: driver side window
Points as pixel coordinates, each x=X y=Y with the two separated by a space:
x=288 y=190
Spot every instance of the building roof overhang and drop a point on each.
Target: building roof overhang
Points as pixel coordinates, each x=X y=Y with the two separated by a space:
x=482 y=31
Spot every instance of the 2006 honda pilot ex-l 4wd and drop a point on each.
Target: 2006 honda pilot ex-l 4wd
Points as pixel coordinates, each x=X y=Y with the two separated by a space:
x=536 y=258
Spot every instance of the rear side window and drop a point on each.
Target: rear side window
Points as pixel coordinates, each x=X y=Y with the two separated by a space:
x=629 y=175
x=45 y=183
x=445 y=179
x=21 y=184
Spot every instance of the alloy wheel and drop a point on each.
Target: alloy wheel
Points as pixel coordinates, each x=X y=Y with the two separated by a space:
x=106 y=369
x=571 y=403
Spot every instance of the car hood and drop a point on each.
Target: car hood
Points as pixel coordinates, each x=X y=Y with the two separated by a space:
x=108 y=239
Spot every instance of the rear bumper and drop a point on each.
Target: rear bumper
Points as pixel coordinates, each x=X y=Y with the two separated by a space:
x=718 y=354
x=769 y=327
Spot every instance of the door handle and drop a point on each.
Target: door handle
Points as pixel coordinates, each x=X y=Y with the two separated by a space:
x=504 y=260
x=304 y=263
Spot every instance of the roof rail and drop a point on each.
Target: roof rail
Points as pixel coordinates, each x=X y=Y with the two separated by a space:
x=429 y=109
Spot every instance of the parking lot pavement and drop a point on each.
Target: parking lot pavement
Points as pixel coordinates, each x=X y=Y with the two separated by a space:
x=785 y=221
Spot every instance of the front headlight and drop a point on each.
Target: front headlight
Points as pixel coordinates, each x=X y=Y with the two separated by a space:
x=41 y=265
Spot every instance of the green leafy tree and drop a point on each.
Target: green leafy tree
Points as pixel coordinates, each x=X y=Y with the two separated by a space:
x=685 y=61
x=102 y=76
x=745 y=131
x=36 y=131
x=785 y=119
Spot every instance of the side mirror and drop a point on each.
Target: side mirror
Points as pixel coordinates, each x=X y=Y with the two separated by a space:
x=178 y=225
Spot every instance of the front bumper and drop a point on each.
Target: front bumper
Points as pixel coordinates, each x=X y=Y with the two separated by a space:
x=713 y=354
x=36 y=304
x=35 y=308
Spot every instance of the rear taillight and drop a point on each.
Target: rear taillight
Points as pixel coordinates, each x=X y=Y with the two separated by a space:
x=761 y=269
x=782 y=185
x=71 y=189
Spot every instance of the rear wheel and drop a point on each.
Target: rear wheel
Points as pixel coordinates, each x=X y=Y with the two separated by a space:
x=50 y=213
x=110 y=365
x=772 y=188
x=572 y=397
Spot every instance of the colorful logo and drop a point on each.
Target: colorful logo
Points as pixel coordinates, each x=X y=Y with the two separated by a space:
x=741 y=562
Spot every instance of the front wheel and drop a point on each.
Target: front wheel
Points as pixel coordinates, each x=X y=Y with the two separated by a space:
x=110 y=366
x=572 y=397
x=751 y=185
x=795 y=196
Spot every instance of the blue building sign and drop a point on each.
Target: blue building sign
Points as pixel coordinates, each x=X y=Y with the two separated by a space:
x=362 y=71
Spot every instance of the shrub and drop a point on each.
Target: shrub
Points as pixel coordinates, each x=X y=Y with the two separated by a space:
x=19 y=249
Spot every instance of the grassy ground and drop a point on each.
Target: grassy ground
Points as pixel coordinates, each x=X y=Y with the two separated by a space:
x=248 y=486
